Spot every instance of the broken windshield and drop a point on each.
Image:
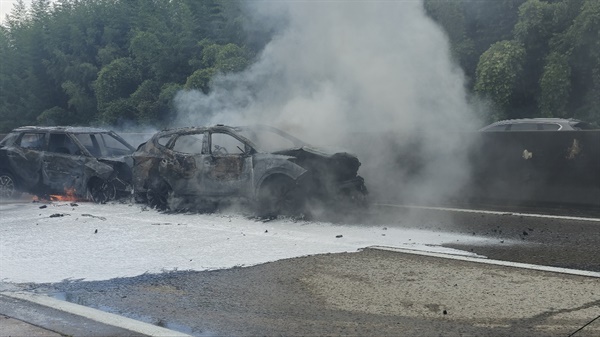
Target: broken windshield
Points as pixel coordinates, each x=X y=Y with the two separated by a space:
x=103 y=145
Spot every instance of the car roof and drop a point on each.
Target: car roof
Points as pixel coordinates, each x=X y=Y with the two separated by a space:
x=194 y=129
x=538 y=120
x=563 y=122
x=69 y=129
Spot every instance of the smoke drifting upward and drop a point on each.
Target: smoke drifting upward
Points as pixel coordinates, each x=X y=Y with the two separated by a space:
x=344 y=74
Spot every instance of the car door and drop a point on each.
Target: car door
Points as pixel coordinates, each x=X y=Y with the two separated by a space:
x=228 y=167
x=63 y=165
x=26 y=158
x=182 y=164
x=208 y=165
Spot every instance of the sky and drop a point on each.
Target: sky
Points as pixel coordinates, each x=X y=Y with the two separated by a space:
x=7 y=5
x=99 y=242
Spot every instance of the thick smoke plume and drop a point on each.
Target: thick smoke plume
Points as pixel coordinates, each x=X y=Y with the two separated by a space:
x=373 y=77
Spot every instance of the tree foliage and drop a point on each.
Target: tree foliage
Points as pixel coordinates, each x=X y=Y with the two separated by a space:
x=534 y=57
x=105 y=61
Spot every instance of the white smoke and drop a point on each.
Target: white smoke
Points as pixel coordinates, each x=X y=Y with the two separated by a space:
x=346 y=72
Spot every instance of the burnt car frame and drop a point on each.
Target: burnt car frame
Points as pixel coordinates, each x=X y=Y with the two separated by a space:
x=87 y=163
x=260 y=165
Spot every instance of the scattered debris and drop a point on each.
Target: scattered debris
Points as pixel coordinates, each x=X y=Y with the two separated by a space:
x=93 y=216
x=58 y=215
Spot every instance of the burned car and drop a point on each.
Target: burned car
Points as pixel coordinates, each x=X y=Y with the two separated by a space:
x=260 y=165
x=81 y=162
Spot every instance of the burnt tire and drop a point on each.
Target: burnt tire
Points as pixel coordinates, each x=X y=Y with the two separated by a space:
x=158 y=196
x=279 y=196
x=8 y=186
x=102 y=191
x=358 y=196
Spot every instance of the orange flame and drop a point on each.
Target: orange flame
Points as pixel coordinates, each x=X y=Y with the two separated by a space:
x=69 y=195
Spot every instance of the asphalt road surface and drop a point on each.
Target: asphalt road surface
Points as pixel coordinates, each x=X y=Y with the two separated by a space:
x=558 y=240
x=373 y=293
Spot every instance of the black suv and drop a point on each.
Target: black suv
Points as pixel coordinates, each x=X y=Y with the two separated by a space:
x=87 y=163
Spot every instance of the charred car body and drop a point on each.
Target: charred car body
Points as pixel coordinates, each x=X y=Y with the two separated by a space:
x=87 y=163
x=262 y=165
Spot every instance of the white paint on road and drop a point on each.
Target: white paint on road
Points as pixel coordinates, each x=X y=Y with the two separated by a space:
x=494 y=262
x=99 y=242
x=463 y=210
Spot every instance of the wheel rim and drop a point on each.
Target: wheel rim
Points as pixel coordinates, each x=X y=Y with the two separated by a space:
x=7 y=186
x=103 y=192
x=283 y=198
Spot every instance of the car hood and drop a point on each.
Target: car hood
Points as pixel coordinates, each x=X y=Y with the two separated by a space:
x=341 y=164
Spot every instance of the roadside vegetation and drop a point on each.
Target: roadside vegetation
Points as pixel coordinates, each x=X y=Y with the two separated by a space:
x=107 y=62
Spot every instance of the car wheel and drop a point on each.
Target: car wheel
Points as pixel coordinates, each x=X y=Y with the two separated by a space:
x=102 y=191
x=358 y=196
x=8 y=186
x=279 y=196
x=158 y=195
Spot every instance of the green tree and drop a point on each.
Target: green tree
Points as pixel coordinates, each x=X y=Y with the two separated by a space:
x=200 y=79
x=216 y=59
x=451 y=16
x=116 y=82
x=81 y=101
x=583 y=42
x=117 y=111
x=145 y=100
x=555 y=85
x=498 y=73
x=55 y=116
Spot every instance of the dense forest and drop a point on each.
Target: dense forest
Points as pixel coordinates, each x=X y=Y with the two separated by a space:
x=102 y=62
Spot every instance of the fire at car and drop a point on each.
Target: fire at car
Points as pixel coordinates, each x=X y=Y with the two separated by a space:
x=65 y=162
x=261 y=166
